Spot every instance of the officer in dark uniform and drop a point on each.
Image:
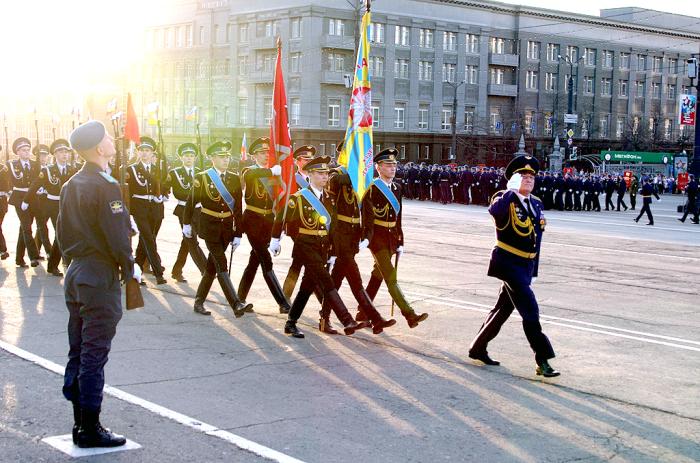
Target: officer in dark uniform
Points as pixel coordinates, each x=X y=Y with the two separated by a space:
x=93 y=231
x=23 y=171
x=621 y=190
x=381 y=227
x=578 y=191
x=414 y=181
x=424 y=182
x=610 y=188
x=568 y=192
x=218 y=190
x=258 y=219
x=467 y=179
x=52 y=178
x=146 y=205
x=39 y=204
x=435 y=183
x=648 y=191
x=180 y=180
x=346 y=234
x=634 y=188
x=691 y=207
x=520 y=223
x=308 y=221
x=445 y=180
x=559 y=187
x=548 y=190
x=597 y=191
x=5 y=189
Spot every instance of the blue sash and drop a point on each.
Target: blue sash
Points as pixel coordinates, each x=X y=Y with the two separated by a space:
x=318 y=206
x=301 y=181
x=225 y=195
x=390 y=196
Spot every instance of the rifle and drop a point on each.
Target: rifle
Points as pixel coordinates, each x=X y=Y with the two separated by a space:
x=160 y=160
x=200 y=160
x=7 y=141
x=36 y=126
x=120 y=160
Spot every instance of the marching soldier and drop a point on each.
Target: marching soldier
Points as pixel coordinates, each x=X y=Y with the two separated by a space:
x=578 y=190
x=308 y=222
x=4 y=193
x=381 y=227
x=435 y=182
x=23 y=171
x=93 y=230
x=258 y=219
x=180 y=181
x=424 y=182
x=51 y=179
x=609 y=185
x=621 y=190
x=146 y=206
x=647 y=192
x=691 y=191
x=218 y=190
x=634 y=188
x=39 y=204
x=444 y=184
x=520 y=223
x=568 y=193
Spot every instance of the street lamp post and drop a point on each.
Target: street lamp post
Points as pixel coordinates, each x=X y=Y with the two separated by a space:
x=455 y=86
x=570 y=101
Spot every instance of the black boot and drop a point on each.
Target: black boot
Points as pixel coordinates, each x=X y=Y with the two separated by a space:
x=290 y=328
x=274 y=285
x=332 y=298
x=76 y=422
x=202 y=292
x=239 y=307
x=368 y=311
x=92 y=434
x=246 y=281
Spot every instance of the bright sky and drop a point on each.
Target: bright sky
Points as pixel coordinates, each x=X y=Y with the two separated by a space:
x=593 y=7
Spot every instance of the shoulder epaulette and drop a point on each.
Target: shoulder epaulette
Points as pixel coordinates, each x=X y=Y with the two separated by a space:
x=497 y=195
x=536 y=197
x=108 y=177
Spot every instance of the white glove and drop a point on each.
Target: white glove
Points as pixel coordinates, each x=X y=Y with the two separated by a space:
x=236 y=242
x=331 y=260
x=533 y=280
x=364 y=244
x=275 y=247
x=399 y=251
x=158 y=199
x=187 y=231
x=134 y=228
x=276 y=169
x=137 y=273
x=515 y=181
x=658 y=201
x=24 y=206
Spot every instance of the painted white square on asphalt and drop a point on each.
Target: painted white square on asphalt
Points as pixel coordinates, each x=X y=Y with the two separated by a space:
x=64 y=443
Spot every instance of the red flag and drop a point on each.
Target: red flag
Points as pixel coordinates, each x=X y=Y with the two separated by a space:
x=280 y=138
x=131 y=130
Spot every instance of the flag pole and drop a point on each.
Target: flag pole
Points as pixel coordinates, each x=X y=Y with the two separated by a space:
x=291 y=171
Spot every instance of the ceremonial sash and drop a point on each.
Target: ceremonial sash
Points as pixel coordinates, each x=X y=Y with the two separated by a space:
x=318 y=206
x=265 y=182
x=390 y=196
x=219 y=184
x=301 y=181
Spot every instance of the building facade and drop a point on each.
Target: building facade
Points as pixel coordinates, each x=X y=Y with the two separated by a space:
x=495 y=71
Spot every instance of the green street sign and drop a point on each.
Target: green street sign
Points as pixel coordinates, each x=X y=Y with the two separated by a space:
x=645 y=157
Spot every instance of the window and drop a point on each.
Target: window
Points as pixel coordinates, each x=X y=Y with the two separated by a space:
x=295 y=111
x=271 y=28
x=243 y=33
x=425 y=38
x=496 y=76
x=448 y=72
x=215 y=110
x=620 y=128
x=425 y=70
x=588 y=85
x=604 y=123
x=606 y=86
x=401 y=69
x=446 y=118
x=167 y=33
x=639 y=89
x=295 y=28
x=472 y=43
x=550 y=82
x=624 y=60
x=376 y=66
x=672 y=66
x=227 y=67
x=201 y=35
x=497 y=45
x=188 y=36
x=469 y=118
x=226 y=116
x=531 y=80
x=295 y=62
x=375 y=116
x=655 y=90
x=423 y=116
x=333 y=112
x=266 y=62
x=572 y=53
x=402 y=152
x=267 y=110
x=584 y=128
x=449 y=41
x=529 y=123
x=376 y=33
x=623 y=90
x=657 y=64
x=652 y=126
x=552 y=52
x=641 y=63
x=178 y=37
x=401 y=36
x=533 y=50
x=400 y=115
x=671 y=91
x=548 y=126
x=229 y=32
x=243 y=65
x=495 y=120
x=471 y=74
x=426 y=151
x=336 y=27
x=336 y=62
x=574 y=84
x=607 y=59
x=668 y=128
x=589 y=56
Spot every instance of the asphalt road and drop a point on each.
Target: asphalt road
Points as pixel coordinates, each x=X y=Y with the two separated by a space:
x=619 y=301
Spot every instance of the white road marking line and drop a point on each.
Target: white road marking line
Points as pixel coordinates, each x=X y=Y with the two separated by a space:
x=193 y=423
x=609 y=330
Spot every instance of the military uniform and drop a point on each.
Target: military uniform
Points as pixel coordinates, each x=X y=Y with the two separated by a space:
x=180 y=181
x=51 y=179
x=22 y=174
x=520 y=223
x=621 y=190
x=647 y=192
x=219 y=224
x=39 y=204
x=381 y=226
x=258 y=219
x=691 y=207
x=634 y=188
x=4 y=193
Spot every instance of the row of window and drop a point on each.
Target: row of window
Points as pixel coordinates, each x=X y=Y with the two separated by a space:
x=551 y=79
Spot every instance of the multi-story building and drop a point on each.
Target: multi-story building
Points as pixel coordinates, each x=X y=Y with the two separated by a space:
x=509 y=66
